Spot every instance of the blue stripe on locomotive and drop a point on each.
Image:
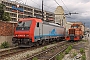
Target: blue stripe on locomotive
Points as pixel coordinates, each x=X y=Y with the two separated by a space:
x=51 y=34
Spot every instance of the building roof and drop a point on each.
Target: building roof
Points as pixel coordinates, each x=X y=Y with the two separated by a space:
x=36 y=19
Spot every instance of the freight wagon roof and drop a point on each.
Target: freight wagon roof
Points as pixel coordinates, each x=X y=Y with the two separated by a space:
x=26 y=19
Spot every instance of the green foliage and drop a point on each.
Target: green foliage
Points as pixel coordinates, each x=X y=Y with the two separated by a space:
x=4 y=45
x=82 y=50
x=68 y=49
x=44 y=48
x=5 y=16
x=15 y=50
x=35 y=58
x=8 y=51
x=59 y=57
x=52 y=50
x=74 y=54
x=54 y=42
x=2 y=6
x=83 y=57
x=28 y=55
x=84 y=40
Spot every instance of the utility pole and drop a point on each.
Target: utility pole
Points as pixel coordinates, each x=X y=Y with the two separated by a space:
x=84 y=27
x=42 y=11
x=42 y=17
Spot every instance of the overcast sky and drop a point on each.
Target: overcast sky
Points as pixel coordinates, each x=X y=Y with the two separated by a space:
x=80 y=6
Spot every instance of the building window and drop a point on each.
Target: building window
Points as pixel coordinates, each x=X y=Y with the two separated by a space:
x=63 y=17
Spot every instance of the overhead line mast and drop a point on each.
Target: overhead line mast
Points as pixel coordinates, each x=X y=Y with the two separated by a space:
x=42 y=11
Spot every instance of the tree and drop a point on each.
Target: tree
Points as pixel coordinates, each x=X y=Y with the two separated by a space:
x=5 y=16
x=2 y=7
x=1 y=13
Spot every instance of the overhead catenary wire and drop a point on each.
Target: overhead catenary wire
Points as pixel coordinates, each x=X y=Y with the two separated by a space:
x=43 y=5
x=68 y=9
x=35 y=3
x=65 y=6
x=56 y=2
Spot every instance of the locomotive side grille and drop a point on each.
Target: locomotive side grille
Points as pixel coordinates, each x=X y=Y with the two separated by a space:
x=71 y=31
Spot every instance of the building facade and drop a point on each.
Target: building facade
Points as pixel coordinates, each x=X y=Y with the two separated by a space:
x=60 y=16
x=70 y=23
x=25 y=11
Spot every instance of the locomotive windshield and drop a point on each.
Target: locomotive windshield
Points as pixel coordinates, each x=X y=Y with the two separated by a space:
x=23 y=25
x=74 y=26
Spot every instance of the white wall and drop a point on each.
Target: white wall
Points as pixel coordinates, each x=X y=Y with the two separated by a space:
x=6 y=38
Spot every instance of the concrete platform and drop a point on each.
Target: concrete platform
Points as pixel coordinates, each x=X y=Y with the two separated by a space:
x=8 y=48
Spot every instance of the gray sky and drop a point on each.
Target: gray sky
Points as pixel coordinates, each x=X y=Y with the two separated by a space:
x=79 y=6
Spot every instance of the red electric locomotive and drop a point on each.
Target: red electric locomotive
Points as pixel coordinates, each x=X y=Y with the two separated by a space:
x=33 y=31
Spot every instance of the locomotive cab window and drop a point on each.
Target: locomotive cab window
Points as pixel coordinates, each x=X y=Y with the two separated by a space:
x=37 y=24
x=24 y=25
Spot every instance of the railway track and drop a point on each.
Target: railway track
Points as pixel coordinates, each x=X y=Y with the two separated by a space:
x=50 y=53
x=15 y=51
x=10 y=52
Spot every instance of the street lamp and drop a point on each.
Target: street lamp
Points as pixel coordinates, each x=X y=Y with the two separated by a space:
x=17 y=12
x=23 y=8
x=24 y=3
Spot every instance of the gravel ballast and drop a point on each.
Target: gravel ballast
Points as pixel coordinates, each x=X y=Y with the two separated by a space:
x=23 y=55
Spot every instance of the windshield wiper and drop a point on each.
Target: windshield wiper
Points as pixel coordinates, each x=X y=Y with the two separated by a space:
x=23 y=24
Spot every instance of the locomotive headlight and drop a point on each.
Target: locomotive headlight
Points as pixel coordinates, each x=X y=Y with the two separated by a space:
x=16 y=35
x=27 y=35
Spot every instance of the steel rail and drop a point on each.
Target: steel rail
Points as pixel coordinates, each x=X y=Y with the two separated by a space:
x=42 y=52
